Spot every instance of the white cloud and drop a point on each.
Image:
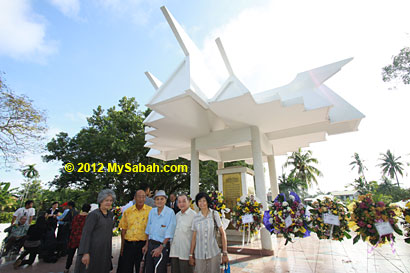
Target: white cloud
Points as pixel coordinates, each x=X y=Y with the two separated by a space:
x=268 y=45
x=139 y=11
x=69 y=8
x=76 y=116
x=22 y=32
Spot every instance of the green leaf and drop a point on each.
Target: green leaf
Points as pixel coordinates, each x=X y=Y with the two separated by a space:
x=356 y=239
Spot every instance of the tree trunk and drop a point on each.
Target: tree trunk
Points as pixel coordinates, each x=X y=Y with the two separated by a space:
x=397 y=179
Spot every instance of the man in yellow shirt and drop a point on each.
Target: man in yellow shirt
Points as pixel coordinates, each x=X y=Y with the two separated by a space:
x=133 y=238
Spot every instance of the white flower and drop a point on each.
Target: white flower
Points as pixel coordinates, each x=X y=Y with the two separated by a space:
x=292 y=197
x=271 y=220
x=289 y=209
x=285 y=204
x=275 y=212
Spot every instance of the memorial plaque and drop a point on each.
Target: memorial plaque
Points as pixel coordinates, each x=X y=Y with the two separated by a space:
x=232 y=188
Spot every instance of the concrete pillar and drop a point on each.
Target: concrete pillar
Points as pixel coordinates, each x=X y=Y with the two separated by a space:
x=194 y=187
x=272 y=176
x=220 y=182
x=260 y=182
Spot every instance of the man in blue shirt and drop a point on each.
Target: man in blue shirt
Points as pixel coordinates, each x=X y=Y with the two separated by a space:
x=64 y=226
x=160 y=229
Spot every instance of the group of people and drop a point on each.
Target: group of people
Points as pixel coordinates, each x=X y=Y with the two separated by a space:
x=40 y=239
x=155 y=231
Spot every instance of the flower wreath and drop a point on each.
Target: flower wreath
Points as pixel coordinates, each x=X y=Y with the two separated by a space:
x=366 y=214
x=406 y=222
x=117 y=217
x=218 y=203
x=247 y=205
x=336 y=226
x=287 y=218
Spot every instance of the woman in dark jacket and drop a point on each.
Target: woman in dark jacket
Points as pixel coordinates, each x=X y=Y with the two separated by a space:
x=32 y=244
x=94 y=253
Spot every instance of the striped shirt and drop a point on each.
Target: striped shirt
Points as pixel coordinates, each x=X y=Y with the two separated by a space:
x=206 y=245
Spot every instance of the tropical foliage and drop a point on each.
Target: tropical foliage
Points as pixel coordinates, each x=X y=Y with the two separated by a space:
x=8 y=199
x=302 y=167
x=400 y=68
x=391 y=166
x=22 y=125
x=359 y=164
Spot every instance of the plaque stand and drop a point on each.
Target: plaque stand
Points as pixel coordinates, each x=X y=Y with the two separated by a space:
x=235 y=182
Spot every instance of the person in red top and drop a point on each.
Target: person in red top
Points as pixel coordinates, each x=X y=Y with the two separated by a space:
x=75 y=235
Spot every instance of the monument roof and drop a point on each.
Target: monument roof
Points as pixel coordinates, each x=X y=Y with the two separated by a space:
x=288 y=117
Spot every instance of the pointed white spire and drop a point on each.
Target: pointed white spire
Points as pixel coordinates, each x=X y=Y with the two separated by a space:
x=154 y=81
x=187 y=45
x=224 y=56
x=317 y=76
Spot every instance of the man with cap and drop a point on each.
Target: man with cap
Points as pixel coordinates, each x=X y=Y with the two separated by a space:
x=160 y=229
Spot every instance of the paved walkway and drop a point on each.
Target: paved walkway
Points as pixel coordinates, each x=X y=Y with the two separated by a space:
x=305 y=255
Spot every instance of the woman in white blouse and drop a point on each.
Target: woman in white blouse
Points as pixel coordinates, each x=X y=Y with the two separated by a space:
x=205 y=253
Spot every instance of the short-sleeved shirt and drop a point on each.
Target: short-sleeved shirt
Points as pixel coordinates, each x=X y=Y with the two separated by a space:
x=161 y=226
x=181 y=242
x=206 y=246
x=135 y=221
x=17 y=230
x=24 y=212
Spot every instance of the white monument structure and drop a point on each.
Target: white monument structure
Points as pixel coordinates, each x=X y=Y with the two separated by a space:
x=236 y=124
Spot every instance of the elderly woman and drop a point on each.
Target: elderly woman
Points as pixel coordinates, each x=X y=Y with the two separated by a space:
x=94 y=253
x=205 y=253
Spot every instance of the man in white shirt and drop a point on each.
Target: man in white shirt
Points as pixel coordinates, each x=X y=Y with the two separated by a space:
x=181 y=242
x=27 y=211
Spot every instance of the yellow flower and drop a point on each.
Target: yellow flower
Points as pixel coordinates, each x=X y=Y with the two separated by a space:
x=408 y=205
x=335 y=212
x=408 y=218
x=302 y=229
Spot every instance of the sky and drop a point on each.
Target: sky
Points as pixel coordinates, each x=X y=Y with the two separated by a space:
x=70 y=56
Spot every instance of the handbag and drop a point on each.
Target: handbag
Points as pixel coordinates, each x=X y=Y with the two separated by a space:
x=31 y=244
x=227 y=268
x=217 y=234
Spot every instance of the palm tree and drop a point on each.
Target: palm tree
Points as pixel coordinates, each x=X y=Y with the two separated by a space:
x=391 y=165
x=30 y=172
x=290 y=183
x=302 y=167
x=386 y=186
x=359 y=164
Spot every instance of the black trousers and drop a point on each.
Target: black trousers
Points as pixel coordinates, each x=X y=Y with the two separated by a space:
x=33 y=251
x=69 y=262
x=131 y=257
x=152 y=262
x=63 y=235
